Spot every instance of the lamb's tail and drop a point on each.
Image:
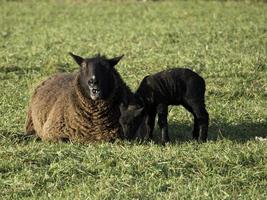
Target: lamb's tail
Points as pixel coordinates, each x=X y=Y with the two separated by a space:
x=29 y=128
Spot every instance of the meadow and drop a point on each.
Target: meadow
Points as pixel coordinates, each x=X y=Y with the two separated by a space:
x=224 y=41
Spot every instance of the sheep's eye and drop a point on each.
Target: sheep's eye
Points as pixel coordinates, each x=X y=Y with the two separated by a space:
x=90 y=82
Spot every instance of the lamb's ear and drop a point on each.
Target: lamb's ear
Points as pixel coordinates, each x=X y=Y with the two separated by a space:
x=114 y=61
x=122 y=108
x=146 y=118
x=79 y=60
x=138 y=111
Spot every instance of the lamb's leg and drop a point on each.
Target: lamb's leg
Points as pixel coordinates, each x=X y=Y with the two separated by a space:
x=151 y=123
x=162 y=111
x=201 y=119
x=195 y=131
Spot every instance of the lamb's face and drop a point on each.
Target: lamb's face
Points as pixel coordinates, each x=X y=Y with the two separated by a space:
x=97 y=75
x=131 y=121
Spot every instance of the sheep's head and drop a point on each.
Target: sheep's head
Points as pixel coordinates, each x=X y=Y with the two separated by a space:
x=134 y=122
x=97 y=75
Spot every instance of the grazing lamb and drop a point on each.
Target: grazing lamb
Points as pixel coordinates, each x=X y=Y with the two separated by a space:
x=178 y=86
x=82 y=106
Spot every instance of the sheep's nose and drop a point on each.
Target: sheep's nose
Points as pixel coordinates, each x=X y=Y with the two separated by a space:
x=94 y=91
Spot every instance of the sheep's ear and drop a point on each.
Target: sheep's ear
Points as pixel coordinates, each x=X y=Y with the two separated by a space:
x=79 y=60
x=114 y=61
x=138 y=111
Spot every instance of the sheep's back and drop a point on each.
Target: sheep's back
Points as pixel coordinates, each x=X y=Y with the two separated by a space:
x=45 y=97
x=49 y=90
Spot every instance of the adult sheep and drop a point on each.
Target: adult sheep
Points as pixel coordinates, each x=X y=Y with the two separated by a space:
x=82 y=106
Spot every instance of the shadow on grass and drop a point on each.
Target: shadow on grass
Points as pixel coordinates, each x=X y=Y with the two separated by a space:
x=236 y=132
x=179 y=133
x=6 y=72
x=17 y=70
x=17 y=137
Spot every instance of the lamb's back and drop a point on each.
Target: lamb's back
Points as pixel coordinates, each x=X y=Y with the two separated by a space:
x=168 y=86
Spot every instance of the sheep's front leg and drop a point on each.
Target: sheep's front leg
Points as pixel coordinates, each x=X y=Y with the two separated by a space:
x=162 y=111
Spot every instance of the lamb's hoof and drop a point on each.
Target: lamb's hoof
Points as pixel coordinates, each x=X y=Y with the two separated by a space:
x=202 y=141
x=164 y=142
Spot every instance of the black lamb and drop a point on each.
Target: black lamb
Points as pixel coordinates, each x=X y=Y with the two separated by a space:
x=178 y=86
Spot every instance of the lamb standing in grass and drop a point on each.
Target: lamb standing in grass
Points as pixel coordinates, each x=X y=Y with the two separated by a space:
x=82 y=106
x=178 y=86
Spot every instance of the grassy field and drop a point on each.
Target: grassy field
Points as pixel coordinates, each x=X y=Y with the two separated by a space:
x=226 y=42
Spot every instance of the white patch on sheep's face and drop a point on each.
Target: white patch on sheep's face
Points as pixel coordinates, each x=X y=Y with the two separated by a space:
x=93 y=88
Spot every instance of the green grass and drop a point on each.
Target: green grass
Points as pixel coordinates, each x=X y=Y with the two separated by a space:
x=225 y=41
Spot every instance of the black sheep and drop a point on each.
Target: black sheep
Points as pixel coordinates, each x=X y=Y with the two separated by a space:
x=82 y=106
x=178 y=86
